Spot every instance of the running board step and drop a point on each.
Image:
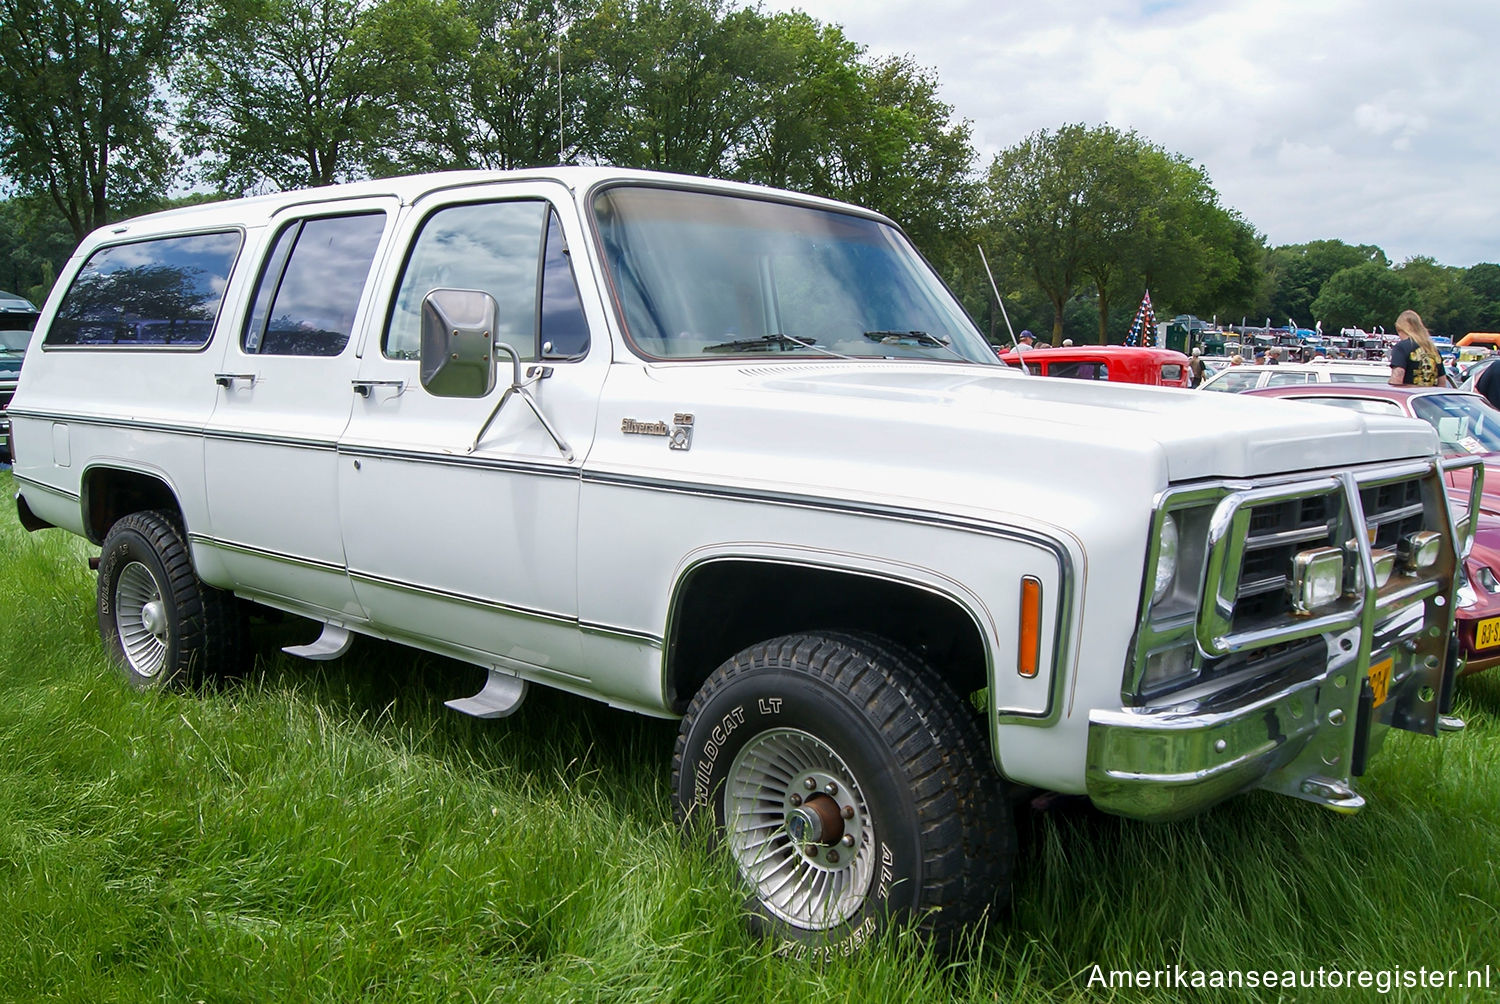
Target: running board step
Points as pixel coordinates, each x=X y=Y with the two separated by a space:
x=500 y=695
x=332 y=643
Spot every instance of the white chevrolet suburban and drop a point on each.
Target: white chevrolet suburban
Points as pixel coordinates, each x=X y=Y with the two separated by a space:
x=734 y=455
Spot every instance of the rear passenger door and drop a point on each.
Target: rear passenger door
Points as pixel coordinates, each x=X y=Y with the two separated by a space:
x=463 y=543
x=283 y=401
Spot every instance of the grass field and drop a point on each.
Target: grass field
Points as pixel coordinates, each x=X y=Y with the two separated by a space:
x=330 y=832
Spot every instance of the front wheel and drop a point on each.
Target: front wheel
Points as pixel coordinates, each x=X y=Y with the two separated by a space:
x=850 y=786
x=162 y=625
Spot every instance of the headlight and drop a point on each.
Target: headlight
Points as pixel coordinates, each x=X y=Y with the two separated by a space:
x=1467 y=596
x=1166 y=559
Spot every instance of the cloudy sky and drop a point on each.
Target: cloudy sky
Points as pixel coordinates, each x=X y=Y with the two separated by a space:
x=1370 y=121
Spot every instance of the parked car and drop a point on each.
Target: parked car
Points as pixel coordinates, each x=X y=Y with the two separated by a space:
x=1115 y=363
x=1242 y=378
x=1478 y=615
x=735 y=456
x=1466 y=424
x=17 y=319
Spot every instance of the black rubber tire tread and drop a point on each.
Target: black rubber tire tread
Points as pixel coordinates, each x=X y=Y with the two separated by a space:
x=967 y=835
x=211 y=626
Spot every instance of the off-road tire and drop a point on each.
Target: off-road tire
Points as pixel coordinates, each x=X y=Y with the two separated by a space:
x=932 y=816
x=162 y=626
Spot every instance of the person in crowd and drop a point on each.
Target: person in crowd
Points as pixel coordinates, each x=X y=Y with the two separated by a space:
x=1236 y=360
x=1415 y=360
x=1067 y=343
x=1273 y=356
x=1319 y=356
x=1027 y=340
x=1195 y=368
x=1488 y=384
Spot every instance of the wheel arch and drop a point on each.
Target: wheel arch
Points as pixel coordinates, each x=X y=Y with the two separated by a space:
x=724 y=603
x=110 y=491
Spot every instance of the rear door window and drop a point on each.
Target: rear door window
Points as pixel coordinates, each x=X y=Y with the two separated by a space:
x=162 y=292
x=311 y=285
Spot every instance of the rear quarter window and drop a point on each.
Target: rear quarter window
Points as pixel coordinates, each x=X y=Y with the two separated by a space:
x=162 y=292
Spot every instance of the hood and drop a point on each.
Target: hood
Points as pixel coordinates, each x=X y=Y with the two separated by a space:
x=1188 y=434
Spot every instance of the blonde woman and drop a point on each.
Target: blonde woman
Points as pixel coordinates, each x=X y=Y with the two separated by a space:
x=1415 y=360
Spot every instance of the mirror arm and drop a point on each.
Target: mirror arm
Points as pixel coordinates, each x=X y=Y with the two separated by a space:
x=518 y=387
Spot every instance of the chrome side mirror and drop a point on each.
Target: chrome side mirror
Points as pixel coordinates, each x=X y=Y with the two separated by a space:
x=458 y=356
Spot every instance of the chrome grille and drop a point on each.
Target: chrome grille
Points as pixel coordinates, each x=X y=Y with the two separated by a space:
x=1277 y=531
x=1393 y=510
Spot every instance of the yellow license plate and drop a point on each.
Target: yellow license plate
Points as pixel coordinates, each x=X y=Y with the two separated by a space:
x=1380 y=679
x=1487 y=633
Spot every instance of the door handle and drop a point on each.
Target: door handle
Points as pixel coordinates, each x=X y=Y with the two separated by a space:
x=364 y=388
x=228 y=379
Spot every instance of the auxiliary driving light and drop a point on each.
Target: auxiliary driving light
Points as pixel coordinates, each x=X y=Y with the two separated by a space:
x=1420 y=550
x=1385 y=564
x=1317 y=578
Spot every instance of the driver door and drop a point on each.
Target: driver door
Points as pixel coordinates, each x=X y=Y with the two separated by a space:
x=465 y=547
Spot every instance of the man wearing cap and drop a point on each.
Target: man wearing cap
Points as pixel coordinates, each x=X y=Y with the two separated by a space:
x=1028 y=340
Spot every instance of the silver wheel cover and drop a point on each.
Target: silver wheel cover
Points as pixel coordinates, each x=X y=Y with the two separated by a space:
x=141 y=619
x=809 y=877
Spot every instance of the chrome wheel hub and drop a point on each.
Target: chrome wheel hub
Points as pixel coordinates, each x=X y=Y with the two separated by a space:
x=798 y=827
x=141 y=619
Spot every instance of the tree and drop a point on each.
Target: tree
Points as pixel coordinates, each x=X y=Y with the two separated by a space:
x=672 y=83
x=35 y=241
x=81 y=118
x=1483 y=280
x=1449 y=306
x=1037 y=213
x=1109 y=208
x=284 y=94
x=1367 y=295
x=476 y=85
x=1299 y=271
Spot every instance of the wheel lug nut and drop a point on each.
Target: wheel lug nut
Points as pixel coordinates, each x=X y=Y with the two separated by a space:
x=848 y=812
x=811 y=850
x=809 y=783
x=796 y=799
x=831 y=788
x=833 y=856
x=848 y=840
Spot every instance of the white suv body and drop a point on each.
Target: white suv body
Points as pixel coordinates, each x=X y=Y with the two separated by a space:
x=741 y=488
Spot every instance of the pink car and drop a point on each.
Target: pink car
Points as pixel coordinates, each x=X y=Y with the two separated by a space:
x=1466 y=426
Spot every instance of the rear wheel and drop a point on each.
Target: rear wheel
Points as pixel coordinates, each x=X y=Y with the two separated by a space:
x=161 y=625
x=851 y=788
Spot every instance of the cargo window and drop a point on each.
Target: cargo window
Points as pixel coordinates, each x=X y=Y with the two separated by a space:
x=163 y=292
x=310 y=287
x=497 y=247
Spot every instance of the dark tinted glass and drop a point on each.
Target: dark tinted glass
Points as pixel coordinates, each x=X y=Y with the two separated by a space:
x=495 y=247
x=312 y=310
x=565 y=331
x=157 y=292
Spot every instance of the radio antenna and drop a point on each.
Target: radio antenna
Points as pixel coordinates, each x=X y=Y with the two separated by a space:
x=1001 y=302
x=559 y=99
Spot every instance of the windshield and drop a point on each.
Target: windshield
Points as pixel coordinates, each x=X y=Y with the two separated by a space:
x=1464 y=423
x=14 y=341
x=702 y=275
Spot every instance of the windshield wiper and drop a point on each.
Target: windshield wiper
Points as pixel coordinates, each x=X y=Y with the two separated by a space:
x=920 y=337
x=765 y=343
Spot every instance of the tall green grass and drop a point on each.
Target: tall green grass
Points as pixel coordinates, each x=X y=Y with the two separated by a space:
x=332 y=833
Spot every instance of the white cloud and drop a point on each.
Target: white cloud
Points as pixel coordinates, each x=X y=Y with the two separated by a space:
x=1371 y=121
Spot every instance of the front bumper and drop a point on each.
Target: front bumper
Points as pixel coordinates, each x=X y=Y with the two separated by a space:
x=1307 y=738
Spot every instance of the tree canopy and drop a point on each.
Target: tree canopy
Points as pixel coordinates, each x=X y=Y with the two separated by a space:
x=82 y=118
x=278 y=94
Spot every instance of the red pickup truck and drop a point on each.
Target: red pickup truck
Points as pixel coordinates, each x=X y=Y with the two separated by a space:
x=1116 y=363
